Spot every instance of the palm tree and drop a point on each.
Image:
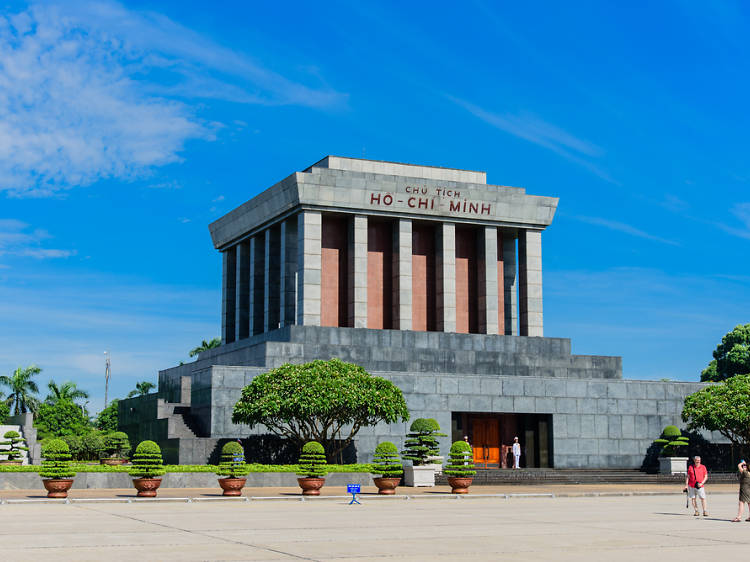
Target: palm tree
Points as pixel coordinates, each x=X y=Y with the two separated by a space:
x=22 y=389
x=216 y=342
x=141 y=389
x=66 y=391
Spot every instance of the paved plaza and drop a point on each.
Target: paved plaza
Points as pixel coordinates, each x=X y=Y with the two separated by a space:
x=431 y=527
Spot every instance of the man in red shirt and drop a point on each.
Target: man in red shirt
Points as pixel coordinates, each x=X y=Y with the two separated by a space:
x=696 y=479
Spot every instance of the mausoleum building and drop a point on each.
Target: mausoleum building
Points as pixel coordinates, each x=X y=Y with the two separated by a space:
x=427 y=276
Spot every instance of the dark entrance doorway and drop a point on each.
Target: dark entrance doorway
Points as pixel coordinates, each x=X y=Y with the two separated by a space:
x=491 y=437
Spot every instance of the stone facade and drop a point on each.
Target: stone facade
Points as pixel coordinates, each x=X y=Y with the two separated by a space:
x=426 y=276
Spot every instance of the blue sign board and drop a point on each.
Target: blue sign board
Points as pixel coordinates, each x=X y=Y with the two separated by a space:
x=353 y=489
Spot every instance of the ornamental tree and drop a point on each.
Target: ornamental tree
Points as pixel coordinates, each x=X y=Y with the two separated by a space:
x=731 y=357
x=317 y=401
x=723 y=407
x=421 y=442
x=461 y=463
x=16 y=444
x=232 y=463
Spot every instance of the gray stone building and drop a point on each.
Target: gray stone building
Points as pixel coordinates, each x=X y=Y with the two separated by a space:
x=427 y=276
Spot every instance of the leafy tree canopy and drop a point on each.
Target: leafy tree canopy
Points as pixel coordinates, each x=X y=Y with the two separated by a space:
x=216 y=342
x=724 y=408
x=108 y=417
x=315 y=401
x=22 y=389
x=141 y=389
x=66 y=391
x=62 y=418
x=731 y=357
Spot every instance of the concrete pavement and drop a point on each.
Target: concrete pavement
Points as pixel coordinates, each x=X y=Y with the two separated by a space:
x=430 y=527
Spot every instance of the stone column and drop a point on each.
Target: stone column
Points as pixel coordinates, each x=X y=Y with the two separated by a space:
x=242 y=299
x=288 y=264
x=402 y=282
x=445 y=268
x=357 y=256
x=257 y=285
x=488 y=282
x=228 y=294
x=271 y=279
x=510 y=300
x=530 y=287
x=309 y=231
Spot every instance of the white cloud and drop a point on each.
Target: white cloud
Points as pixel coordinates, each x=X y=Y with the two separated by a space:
x=18 y=239
x=529 y=127
x=625 y=228
x=83 y=93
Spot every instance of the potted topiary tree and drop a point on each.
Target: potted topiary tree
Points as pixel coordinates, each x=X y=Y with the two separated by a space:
x=233 y=468
x=421 y=448
x=312 y=468
x=672 y=442
x=147 y=467
x=57 y=475
x=388 y=464
x=116 y=447
x=460 y=468
x=16 y=445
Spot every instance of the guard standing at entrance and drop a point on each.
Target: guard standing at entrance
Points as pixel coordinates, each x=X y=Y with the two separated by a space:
x=516 y=453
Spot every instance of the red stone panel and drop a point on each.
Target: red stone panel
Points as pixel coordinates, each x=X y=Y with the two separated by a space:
x=424 y=279
x=333 y=275
x=467 y=308
x=379 y=274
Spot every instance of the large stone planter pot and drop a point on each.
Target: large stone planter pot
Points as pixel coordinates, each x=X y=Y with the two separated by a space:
x=419 y=476
x=57 y=487
x=311 y=486
x=232 y=486
x=113 y=462
x=146 y=486
x=386 y=486
x=460 y=484
x=673 y=465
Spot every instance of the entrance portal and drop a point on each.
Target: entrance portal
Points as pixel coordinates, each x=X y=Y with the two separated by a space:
x=491 y=438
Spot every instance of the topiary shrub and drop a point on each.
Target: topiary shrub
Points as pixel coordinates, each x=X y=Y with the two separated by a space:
x=232 y=463
x=461 y=460
x=421 y=441
x=387 y=463
x=15 y=446
x=147 y=461
x=116 y=445
x=671 y=441
x=56 y=463
x=312 y=461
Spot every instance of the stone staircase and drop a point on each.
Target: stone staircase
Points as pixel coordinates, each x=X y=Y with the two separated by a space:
x=581 y=476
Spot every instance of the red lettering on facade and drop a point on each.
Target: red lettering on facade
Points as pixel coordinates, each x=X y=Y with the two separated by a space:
x=387 y=199
x=410 y=202
x=455 y=206
x=485 y=209
x=374 y=198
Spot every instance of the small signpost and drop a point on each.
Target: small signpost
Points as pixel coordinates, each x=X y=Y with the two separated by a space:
x=353 y=489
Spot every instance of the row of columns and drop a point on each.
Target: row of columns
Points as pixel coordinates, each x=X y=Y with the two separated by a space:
x=274 y=278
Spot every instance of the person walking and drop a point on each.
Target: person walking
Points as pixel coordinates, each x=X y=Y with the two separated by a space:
x=697 y=474
x=516 y=453
x=744 y=477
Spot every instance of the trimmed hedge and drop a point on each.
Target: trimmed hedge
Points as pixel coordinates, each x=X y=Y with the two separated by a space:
x=232 y=463
x=312 y=462
x=147 y=461
x=56 y=463
x=252 y=467
x=387 y=462
x=461 y=460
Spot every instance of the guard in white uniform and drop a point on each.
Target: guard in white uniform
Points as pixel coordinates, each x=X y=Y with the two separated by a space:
x=516 y=453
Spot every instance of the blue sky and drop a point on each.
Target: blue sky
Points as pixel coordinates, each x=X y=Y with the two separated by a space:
x=126 y=128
